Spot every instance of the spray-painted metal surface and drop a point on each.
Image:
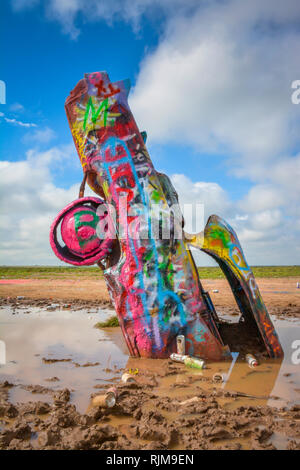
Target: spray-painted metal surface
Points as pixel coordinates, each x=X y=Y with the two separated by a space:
x=152 y=278
x=221 y=242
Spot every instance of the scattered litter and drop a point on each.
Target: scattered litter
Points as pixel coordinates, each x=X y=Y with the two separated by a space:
x=190 y=400
x=20 y=297
x=252 y=361
x=188 y=360
x=215 y=291
x=218 y=378
x=127 y=378
x=53 y=306
x=134 y=371
x=178 y=357
x=194 y=362
x=113 y=390
x=108 y=400
x=66 y=306
x=180 y=340
x=298 y=285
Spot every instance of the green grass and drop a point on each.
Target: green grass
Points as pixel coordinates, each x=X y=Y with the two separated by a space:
x=259 y=271
x=110 y=322
x=93 y=272
x=49 y=272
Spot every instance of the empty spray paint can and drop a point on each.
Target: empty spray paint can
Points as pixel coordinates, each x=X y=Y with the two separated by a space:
x=194 y=362
x=107 y=400
x=252 y=361
x=218 y=377
x=178 y=357
x=180 y=341
x=112 y=390
x=127 y=378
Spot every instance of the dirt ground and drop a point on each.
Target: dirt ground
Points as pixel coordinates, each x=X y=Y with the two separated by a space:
x=142 y=418
x=281 y=296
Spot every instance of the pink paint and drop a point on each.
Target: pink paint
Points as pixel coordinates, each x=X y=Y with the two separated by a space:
x=83 y=241
x=82 y=246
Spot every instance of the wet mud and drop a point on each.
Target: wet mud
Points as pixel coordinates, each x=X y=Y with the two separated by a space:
x=57 y=362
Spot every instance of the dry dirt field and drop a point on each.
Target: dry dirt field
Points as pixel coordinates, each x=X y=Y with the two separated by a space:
x=280 y=295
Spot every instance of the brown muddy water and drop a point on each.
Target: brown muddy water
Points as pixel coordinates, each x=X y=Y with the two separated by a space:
x=48 y=351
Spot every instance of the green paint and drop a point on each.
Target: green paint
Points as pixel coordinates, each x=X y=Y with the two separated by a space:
x=148 y=255
x=95 y=114
x=168 y=316
x=220 y=235
x=155 y=196
x=78 y=223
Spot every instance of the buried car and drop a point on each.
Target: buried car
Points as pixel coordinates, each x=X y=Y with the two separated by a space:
x=133 y=230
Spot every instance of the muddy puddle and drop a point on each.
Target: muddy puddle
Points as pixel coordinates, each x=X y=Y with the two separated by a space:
x=59 y=359
x=59 y=349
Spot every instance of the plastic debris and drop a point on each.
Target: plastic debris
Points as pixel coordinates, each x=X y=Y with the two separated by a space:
x=215 y=291
x=20 y=297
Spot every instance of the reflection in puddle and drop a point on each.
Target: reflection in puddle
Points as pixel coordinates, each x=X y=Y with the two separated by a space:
x=62 y=349
x=19 y=395
x=65 y=335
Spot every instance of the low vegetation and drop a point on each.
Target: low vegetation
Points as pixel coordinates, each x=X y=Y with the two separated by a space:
x=110 y=322
x=93 y=272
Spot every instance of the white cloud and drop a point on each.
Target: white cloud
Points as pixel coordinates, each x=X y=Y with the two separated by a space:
x=262 y=197
x=29 y=203
x=69 y=12
x=213 y=198
x=269 y=235
x=16 y=108
x=40 y=136
x=221 y=81
x=18 y=123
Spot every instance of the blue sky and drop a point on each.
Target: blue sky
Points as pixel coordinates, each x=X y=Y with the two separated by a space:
x=211 y=84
